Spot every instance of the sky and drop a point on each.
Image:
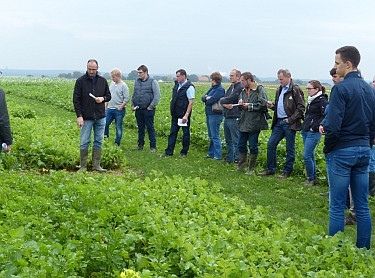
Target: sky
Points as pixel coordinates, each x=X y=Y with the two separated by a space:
x=200 y=36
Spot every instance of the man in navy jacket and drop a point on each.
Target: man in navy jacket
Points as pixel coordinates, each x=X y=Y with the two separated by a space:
x=350 y=132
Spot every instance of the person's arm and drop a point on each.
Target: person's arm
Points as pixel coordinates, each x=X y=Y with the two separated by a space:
x=125 y=96
x=219 y=93
x=261 y=103
x=5 y=132
x=300 y=105
x=156 y=92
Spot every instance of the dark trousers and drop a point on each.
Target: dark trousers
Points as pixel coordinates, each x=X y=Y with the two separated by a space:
x=173 y=137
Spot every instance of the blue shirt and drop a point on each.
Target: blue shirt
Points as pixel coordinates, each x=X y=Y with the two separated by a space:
x=190 y=92
x=280 y=104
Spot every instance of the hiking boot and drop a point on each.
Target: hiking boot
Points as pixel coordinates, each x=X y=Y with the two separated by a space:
x=266 y=173
x=284 y=175
x=309 y=182
x=139 y=148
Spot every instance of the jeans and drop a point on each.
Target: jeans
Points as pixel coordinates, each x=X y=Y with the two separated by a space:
x=350 y=166
x=173 y=137
x=252 y=137
x=231 y=139
x=145 y=118
x=98 y=126
x=279 y=131
x=310 y=140
x=372 y=159
x=118 y=116
x=213 y=128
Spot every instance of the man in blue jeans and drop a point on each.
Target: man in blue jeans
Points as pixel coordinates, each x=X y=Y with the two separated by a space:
x=146 y=96
x=288 y=110
x=91 y=91
x=349 y=133
x=115 y=109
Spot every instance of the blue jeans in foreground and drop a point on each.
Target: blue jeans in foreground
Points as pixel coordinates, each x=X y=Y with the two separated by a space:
x=310 y=140
x=231 y=139
x=145 y=118
x=349 y=166
x=252 y=137
x=279 y=131
x=118 y=116
x=98 y=126
x=213 y=129
x=173 y=137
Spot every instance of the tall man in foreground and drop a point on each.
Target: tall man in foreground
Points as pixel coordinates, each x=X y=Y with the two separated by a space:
x=146 y=96
x=90 y=92
x=181 y=106
x=288 y=110
x=231 y=115
x=349 y=129
x=5 y=134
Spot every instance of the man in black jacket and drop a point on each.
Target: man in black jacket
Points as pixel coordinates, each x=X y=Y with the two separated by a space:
x=90 y=92
x=5 y=134
x=181 y=106
x=231 y=115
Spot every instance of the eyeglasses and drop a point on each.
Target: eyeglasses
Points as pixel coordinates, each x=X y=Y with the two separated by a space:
x=309 y=89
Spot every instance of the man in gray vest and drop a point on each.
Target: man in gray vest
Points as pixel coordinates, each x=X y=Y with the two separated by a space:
x=146 y=96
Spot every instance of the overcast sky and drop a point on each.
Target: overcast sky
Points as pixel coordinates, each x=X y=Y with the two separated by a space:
x=200 y=36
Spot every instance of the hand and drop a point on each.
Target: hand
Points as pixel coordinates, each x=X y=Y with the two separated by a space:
x=208 y=97
x=269 y=104
x=80 y=122
x=7 y=149
x=228 y=106
x=321 y=130
x=150 y=108
x=286 y=120
x=99 y=99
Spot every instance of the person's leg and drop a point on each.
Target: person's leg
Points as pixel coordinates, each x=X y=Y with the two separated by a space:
x=215 y=132
x=276 y=136
x=210 y=152
x=141 y=123
x=372 y=172
x=86 y=134
x=149 y=120
x=235 y=133
x=172 y=136
x=290 y=137
x=109 y=115
x=229 y=156
x=253 y=142
x=120 y=114
x=242 y=147
x=185 y=138
x=339 y=167
x=310 y=139
x=359 y=187
x=98 y=127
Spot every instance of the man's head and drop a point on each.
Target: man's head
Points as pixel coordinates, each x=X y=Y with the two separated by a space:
x=181 y=76
x=234 y=76
x=116 y=75
x=216 y=78
x=284 y=76
x=347 y=59
x=335 y=78
x=92 y=67
x=247 y=79
x=142 y=72
x=373 y=82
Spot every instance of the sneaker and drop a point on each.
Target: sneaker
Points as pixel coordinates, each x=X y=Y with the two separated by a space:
x=117 y=145
x=309 y=182
x=284 y=175
x=216 y=158
x=182 y=155
x=236 y=161
x=139 y=148
x=207 y=156
x=164 y=155
x=350 y=219
x=266 y=173
x=324 y=194
x=152 y=150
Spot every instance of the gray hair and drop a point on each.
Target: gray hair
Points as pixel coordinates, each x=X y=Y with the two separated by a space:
x=284 y=72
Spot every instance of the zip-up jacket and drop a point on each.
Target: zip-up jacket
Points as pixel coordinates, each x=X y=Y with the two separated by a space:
x=84 y=105
x=231 y=97
x=180 y=102
x=315 y=113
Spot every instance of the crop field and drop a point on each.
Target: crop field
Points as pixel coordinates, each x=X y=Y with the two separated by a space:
x=156 y=217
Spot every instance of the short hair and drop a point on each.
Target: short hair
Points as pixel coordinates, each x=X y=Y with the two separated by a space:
x=317 y=85
x=332 y=72
x=94 y=61
x=143 y=68
x=247 y=75
x=284 y=72
x=181 y=72
x=216 y=76
x=117 y=72
x=349 y=54
x=238 y=72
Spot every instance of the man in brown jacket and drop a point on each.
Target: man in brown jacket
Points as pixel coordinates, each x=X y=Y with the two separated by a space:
x=288 y=110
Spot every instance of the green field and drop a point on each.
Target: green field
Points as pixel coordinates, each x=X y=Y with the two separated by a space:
x=163 y=217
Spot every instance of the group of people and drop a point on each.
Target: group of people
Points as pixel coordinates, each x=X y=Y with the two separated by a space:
x=347 y=123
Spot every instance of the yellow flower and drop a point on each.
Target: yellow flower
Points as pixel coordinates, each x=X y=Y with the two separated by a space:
x=129 y=273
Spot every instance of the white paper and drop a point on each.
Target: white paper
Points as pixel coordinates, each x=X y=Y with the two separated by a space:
x=180 y=123
x=91 y=95
x=236 y=104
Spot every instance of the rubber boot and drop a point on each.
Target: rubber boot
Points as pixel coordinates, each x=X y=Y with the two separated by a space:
x=83 y=160
x=96 y=155
x=253 y=161
x=242 y=161
x=371 y=189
